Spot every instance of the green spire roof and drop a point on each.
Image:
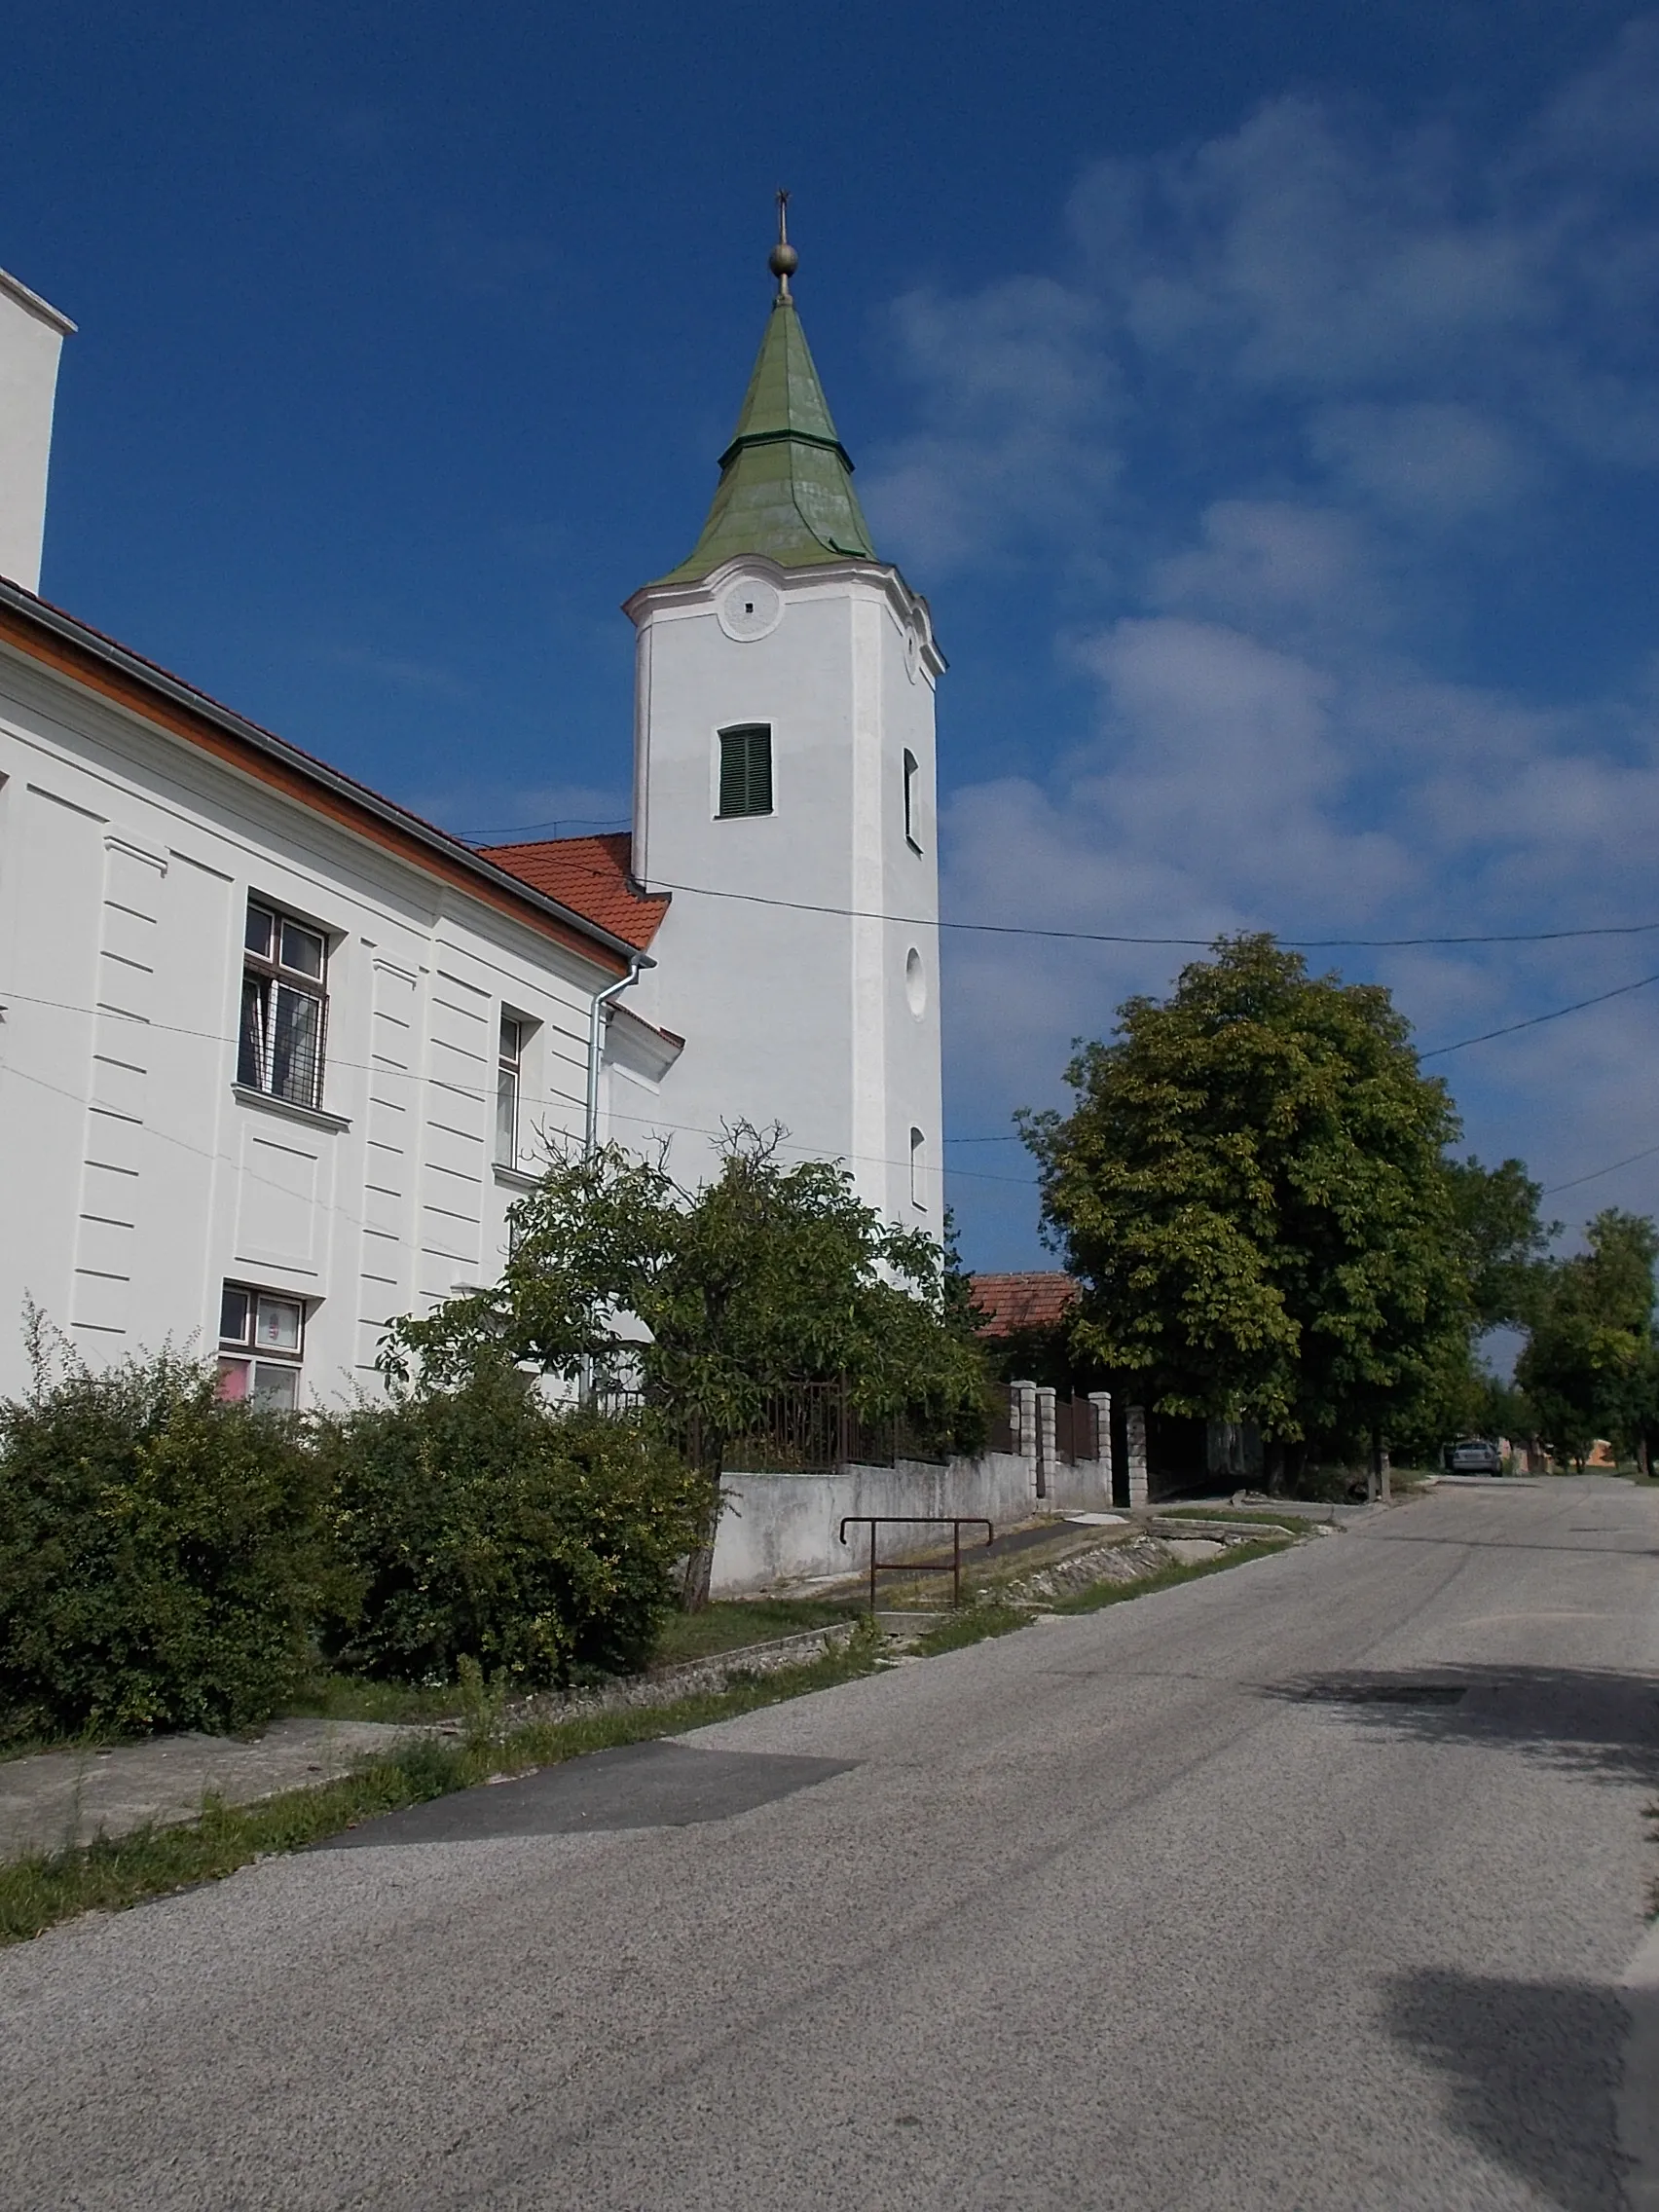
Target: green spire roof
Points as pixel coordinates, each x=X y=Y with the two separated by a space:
x=786 y=487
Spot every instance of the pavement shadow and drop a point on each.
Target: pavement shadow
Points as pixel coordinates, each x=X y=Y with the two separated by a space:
x=1530 y=2072
x=1589 y=1720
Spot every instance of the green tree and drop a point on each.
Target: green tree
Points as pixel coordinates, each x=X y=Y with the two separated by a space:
x=1505 y=1243
x=1588 y=1369
x=164 y=1557
x=481 y=1524
x=713 y=1298
x=1251 y=1188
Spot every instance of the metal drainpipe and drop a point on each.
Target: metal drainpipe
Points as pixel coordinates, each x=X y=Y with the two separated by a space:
x=596 y=1041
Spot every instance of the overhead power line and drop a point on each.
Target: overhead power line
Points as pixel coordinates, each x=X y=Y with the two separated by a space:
x=1596 y=1173
x=551 y=1099
x=1532 y=1020
x=610 y=822
x=1124 y=937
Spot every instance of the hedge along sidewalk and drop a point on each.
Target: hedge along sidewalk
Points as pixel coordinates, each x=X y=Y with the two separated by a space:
x=38 y=1891
x=63 y=1800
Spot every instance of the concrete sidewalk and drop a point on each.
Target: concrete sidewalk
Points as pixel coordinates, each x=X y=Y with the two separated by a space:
x=56 y=1798
x=53 y=1799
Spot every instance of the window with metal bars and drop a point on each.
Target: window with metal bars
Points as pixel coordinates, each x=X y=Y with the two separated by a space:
x=285 y=1003
x=745 y=770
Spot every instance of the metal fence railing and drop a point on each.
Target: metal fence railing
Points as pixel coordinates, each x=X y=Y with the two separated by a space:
x=804 y=1427
x=814 y=1426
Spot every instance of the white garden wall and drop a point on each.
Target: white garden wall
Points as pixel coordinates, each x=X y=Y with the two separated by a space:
x=780 y=1529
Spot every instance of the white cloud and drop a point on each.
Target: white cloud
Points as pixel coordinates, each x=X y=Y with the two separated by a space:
x=1015 y=444
x=1307 y=394
x=1288 y=569
x=1602 y=117
x=1429 y=461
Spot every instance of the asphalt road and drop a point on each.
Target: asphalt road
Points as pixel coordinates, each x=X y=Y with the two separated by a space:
x=1309 y=1885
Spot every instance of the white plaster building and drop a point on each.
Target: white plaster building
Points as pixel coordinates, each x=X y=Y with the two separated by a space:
x=276 y=1057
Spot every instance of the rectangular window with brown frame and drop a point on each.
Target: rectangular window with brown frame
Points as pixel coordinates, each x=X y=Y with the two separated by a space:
x=262 y=1340
x=284 y=1006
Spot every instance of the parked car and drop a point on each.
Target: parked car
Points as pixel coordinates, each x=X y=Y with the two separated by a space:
x=1474 y=1455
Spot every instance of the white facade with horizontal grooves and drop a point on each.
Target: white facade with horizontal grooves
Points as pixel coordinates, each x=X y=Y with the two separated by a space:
x=136 y=1178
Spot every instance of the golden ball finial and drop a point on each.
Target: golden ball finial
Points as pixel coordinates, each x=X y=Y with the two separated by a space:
x=783 y=260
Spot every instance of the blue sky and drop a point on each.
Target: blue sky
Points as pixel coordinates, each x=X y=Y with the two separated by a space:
x=1267 y=399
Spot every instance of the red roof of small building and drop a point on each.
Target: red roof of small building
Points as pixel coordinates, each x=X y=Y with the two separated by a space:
x=1032 y=1301
x=591 y=875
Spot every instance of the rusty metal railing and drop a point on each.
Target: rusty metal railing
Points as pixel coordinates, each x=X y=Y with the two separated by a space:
x=955 y=1522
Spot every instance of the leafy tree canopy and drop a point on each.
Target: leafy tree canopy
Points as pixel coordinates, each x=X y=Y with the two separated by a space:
x=1588 y=1369
x=1498 y=1212
x=1252 y=1189
x=766 y=1276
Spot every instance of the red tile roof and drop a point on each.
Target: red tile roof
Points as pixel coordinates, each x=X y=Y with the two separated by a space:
x=1032 y=1301
x=592 y=876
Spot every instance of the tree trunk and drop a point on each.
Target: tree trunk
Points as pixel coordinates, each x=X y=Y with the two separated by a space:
x=1377 y=1483
x=700 y=1558
x=1273 y=1466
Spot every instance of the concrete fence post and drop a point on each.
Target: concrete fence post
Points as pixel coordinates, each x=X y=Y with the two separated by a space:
x=1134 y=1429
x=1023 y=1400
x=1101 y=1401
x=1047 y=1453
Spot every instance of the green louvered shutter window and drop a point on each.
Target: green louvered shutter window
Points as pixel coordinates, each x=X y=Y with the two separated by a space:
x=745 y=770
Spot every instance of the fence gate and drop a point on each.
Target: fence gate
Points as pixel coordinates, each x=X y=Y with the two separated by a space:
x=1075 y=1436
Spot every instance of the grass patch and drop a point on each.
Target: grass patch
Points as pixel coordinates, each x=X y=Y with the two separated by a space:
x=730 y=1625
x=961 y=1629
x=993 y=1617
x=1296 y=1524
x=1101 y=1594
x=107 y=1876
x=354 y=1697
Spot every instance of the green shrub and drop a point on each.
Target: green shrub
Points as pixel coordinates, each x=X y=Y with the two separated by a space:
x=482 y=1525
x=163 y=1557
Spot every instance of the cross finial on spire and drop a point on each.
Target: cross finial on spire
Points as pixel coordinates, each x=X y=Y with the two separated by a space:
x=783 y=260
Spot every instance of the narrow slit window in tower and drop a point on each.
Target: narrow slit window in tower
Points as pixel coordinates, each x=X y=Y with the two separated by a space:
x=912 y=768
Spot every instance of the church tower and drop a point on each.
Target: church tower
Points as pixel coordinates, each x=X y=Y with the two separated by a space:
x=784 y=799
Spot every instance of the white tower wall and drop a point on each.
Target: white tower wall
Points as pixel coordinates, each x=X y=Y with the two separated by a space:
x=795 y=986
